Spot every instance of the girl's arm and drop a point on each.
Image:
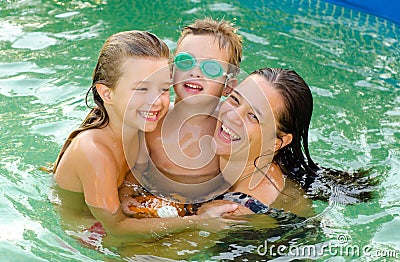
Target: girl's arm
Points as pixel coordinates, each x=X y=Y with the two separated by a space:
x=98 y=173
x=131 y=228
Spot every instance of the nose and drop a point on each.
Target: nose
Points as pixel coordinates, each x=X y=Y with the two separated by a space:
x=235 y=117
x=154 y=99
x=196 y=72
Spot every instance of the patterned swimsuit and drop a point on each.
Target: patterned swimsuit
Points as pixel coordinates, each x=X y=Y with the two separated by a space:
x=258 y=207
x=245 y=200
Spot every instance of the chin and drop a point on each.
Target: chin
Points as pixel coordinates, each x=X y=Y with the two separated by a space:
x=149 y=128
x=223 y=150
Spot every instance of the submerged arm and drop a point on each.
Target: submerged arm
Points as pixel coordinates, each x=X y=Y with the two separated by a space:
x=99 y=177
x=132 y=228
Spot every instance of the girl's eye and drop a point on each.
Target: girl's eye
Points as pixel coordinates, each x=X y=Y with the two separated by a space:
x=141 y=89
x=166 y=89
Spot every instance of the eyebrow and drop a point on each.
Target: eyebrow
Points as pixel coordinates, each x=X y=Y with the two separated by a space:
x=148 y=82
x=254 y=108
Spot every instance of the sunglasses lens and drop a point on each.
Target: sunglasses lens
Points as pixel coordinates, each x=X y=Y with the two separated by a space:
x=184 y=61
x=212 y=69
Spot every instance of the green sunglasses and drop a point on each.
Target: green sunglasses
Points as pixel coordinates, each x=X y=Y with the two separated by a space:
x=210 y=68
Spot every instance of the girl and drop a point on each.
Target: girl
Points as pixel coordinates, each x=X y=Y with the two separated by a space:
x=131 y=90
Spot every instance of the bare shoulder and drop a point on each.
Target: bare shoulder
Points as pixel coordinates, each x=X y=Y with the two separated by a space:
x=88 y=150
x=91 y=141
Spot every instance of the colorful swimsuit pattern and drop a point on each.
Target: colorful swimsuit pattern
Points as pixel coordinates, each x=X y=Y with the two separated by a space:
x=259 y=208
x=245 y=200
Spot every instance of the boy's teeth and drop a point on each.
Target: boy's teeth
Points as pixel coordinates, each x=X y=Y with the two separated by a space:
x=230 y=132
x=193 y=86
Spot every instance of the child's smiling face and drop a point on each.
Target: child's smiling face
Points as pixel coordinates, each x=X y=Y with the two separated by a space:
x=141 y=96
x=193 y=81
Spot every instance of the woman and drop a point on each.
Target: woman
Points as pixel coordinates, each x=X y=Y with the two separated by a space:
x=263 y=132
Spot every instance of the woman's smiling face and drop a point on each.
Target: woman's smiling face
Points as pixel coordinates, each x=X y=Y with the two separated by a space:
x=246 y=126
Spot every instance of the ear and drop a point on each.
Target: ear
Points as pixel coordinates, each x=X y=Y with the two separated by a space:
x=283 y=141
x=230 y=84
x=104 y=92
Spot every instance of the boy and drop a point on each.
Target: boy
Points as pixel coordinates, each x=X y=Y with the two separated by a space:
x=206 y=62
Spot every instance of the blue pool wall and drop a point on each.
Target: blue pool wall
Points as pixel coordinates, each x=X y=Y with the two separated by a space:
x=388 y=9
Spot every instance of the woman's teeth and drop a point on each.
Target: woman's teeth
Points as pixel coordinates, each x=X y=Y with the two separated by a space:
x=233 y=136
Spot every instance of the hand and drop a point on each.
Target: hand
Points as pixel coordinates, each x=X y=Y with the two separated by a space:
x=126 y=202
x=239 y=211
x=219 y=210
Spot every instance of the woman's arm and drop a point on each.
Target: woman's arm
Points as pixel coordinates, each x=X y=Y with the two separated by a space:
x=241 y=210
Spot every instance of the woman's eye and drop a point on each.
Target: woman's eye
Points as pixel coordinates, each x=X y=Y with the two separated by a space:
x=253 y=116
x=234 y=98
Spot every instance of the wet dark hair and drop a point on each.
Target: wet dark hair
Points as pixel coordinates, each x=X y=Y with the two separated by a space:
x=294 y=159
x=116 y=49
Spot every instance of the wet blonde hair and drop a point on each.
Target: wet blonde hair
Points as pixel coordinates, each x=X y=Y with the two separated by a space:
x=226 y=35
x=108 y=70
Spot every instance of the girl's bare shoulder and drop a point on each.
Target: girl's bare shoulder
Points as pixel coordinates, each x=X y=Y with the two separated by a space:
x=91 y=143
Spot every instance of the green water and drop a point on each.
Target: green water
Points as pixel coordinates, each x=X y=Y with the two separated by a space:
x=351 y=60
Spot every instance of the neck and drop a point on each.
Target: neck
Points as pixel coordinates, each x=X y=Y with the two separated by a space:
x=270 y=175
x=199 y=105
x=126 y=141
x=235 y=168
x=121 y=133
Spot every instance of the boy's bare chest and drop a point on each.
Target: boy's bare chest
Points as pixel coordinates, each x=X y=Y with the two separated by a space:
x=191 y=138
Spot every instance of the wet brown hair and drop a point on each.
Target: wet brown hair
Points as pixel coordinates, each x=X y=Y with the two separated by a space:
x=295 y=160
x=295 y=117
x=108 y=70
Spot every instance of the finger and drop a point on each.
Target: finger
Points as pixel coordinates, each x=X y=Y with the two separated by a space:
x=224 y=208
x=234 y=221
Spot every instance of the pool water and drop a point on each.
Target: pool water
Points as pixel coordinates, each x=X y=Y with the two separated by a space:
x=351 y=60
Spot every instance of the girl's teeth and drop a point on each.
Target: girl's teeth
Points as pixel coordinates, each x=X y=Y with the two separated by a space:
x=148 y=114
x=230 y=133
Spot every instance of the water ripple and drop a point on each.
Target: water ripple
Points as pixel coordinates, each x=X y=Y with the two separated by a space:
x=34 y=41
x=15 y=68
x=254 y=38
